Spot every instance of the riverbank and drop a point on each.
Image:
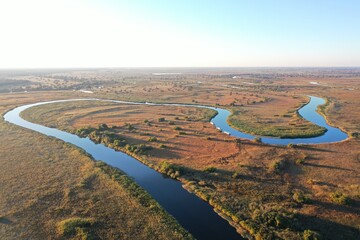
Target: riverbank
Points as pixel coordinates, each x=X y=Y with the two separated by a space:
x=251 y=172
x=57 y=182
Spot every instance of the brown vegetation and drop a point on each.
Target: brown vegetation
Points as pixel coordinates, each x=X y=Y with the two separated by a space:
x=294 y=192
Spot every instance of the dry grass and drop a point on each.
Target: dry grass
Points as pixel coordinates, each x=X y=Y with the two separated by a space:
x=44 y=182
x=260 y=183
x=243 y=187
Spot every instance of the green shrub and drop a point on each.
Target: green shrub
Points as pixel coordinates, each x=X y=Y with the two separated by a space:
x=103 y=126
x=161 y=119
x=171 y=123
x=146 y=121
x=300 y=161
x=119 y=143
x=311 y=235
x=210 y=169
x=235 y=175
x=152 y=139
x=69 y=226
x=138 y=149
x=84 y=131
x=278 y=166
x=169 y=169
x=258 y=140
x=182 y=133
x=339 y=198
x=130 y=127
x=299 y=197
x=355 y=135
x=177 y=128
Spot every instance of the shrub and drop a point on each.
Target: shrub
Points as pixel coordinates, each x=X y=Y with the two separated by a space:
x=169 y=169
x=130 y=127
x=355 y=135
x=300 y=161
x=210 y=169
x=171 y=123
x=311 y=235
x=258 y=140
x=177 y=128
x=83 y=132
x=339 y=198
x=152 y=139
x=235 y=175
x=119 y=143
x=138 y=149
x=182 y=133
x=299 y=197
x=103 y=126
x=146 y=121
x=278 y=166
x=161 y=119
x=163 y=146
x=69 y=226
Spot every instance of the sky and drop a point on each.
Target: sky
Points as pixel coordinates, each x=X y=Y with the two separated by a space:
x=179 y=33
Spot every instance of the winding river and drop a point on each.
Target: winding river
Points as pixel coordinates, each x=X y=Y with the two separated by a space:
x=195 y=215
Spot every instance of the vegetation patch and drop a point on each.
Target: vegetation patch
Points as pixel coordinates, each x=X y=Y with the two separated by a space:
x=252 y=125
x=169 y=169
x=339 y=198
x=74 y=226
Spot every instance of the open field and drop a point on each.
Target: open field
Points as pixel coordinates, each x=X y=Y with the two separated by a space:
x=50 y=189
x=269 y=191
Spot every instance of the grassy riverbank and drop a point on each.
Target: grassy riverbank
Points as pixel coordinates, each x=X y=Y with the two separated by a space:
x=262 y=190
x=296 y=127
x=52 y=189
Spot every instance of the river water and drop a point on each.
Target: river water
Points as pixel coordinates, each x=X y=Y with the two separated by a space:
x=194 y=214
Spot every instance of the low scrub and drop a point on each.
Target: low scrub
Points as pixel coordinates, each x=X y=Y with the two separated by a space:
x=169 y=169
x=152 y=139
x=74 y=226
x=210 y=169
x=311 y=235
x=339 y=198
x=300 y=197
x=278 y=166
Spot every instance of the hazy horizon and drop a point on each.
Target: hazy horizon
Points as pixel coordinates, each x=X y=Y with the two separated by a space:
x=43 y=34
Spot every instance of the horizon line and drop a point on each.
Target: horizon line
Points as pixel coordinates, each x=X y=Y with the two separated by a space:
x=186 y=67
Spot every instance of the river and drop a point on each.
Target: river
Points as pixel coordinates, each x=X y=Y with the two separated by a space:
x=194 y=214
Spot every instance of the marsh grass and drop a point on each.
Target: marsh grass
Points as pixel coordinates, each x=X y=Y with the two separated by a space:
x=70 y=227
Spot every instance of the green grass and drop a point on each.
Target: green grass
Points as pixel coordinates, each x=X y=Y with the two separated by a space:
x=69 y=227
x=242 y=122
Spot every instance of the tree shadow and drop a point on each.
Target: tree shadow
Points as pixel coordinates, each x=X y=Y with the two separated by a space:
x=326 y=166
x=311 y=148
x=353 y=208
x=328 y=229
x=5 y=220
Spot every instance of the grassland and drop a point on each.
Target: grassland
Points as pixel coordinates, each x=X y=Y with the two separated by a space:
x=267 y=191
x=50 y=189
x=295 y=192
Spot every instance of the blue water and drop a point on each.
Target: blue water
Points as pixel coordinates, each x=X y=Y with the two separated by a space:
x=191 y=212
x=194 y=214
x=308 y=112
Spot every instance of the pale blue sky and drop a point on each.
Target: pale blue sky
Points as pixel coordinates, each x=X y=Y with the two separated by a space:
x=180 y=33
